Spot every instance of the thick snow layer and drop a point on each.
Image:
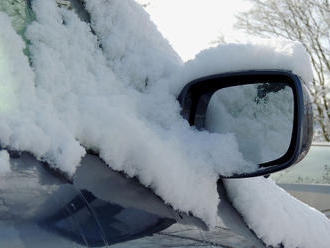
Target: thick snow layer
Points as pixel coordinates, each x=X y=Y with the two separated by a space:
x=139 y=133
x=277 y=217
x=133 y=46
x=116 y=93
x=28 y=121
x=278 y=54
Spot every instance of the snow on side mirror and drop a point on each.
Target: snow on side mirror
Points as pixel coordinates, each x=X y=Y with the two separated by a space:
x=269 y=112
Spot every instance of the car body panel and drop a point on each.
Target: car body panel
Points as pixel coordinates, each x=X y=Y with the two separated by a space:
x=99 y=208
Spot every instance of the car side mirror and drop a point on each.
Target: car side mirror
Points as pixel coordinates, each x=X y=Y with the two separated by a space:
x=269 y=112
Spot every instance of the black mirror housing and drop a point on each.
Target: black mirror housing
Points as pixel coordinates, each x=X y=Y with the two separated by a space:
x=195 y=97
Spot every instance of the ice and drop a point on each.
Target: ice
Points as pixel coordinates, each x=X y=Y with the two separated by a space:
x=115 y=93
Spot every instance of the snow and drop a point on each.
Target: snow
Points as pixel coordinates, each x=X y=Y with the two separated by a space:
x=28 y=122
x=276 y=217
x=115 y=93
x=134 y=48
x=267 y=54
x=133 y=131
x=141 y=133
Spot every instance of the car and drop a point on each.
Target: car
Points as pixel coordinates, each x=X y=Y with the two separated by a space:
x=309 y=180
x=69 y=184
x=101 y=207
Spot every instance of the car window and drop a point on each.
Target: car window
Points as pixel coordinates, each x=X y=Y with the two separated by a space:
x=314 y=169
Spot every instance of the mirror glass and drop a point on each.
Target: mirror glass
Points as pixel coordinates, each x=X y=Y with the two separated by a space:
x=259 y=115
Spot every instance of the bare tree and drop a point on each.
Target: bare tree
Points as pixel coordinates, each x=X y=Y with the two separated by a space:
x=144 y=3
x=306 y=21
x=221 y=39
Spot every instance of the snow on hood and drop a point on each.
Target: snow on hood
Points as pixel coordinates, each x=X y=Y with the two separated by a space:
x=116 y=93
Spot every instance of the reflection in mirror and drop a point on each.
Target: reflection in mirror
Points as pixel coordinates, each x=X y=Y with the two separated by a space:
x=259 y=115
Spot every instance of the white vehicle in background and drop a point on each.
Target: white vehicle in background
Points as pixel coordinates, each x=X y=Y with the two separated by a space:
x=309 y=180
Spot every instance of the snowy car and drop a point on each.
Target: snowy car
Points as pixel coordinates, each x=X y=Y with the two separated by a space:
x=109 y=139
